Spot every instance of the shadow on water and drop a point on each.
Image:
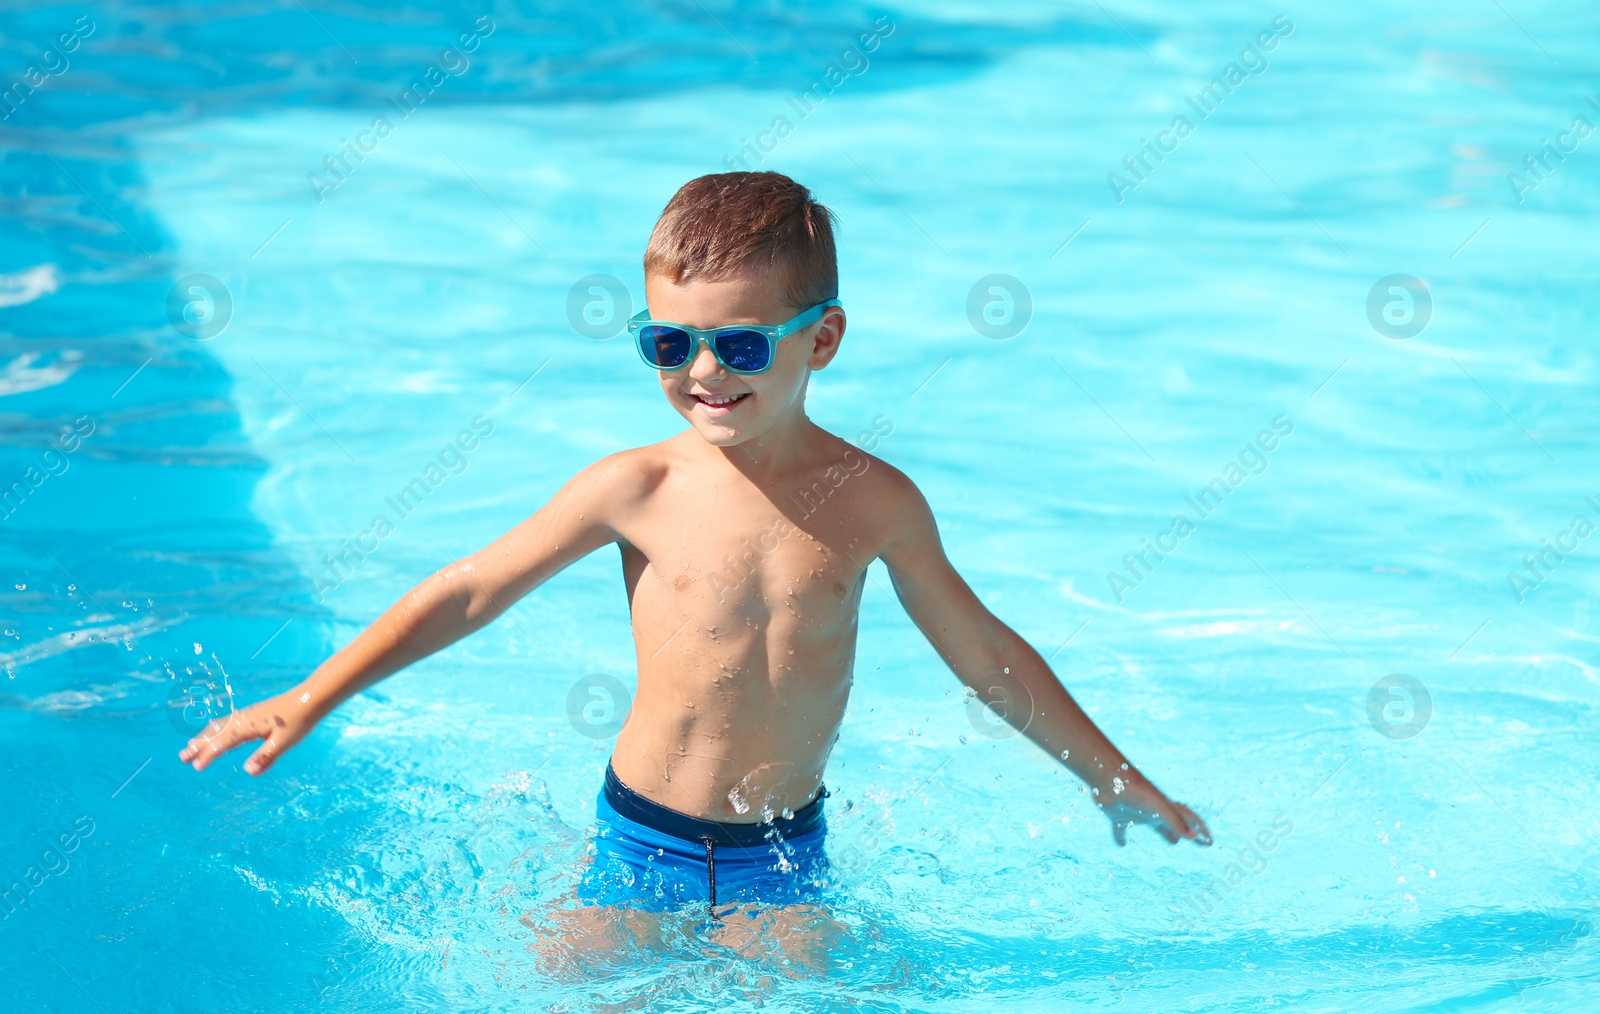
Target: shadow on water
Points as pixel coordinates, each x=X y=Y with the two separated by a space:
x=140 y=587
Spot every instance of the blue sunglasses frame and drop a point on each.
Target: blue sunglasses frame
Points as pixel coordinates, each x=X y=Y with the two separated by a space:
x=773 y=332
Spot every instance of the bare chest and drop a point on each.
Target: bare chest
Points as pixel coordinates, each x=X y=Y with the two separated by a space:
x=743 y=560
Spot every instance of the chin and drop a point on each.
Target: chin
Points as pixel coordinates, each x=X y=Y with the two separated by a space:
x=718 y=435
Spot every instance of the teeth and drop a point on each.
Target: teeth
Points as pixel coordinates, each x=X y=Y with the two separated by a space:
x=721 y=399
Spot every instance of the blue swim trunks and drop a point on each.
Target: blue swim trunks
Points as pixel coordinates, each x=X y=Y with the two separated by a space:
x=655 y=858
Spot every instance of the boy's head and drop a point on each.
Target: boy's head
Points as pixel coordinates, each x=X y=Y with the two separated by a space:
x=744 y=248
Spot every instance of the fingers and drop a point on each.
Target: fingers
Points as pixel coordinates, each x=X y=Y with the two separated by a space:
x=1169 y=834
x=264 y=756
x=1194 y=827
x=1119 y=832
x=218 y=738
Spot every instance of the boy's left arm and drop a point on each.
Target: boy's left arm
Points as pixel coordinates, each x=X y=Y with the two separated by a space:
x=993 y=660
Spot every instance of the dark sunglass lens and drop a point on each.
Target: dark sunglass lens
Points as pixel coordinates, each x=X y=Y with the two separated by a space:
x=744 y=350
x=664 y=346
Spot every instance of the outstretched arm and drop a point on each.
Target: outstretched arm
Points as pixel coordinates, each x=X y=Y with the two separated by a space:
x=1009 y=675
x=447 y=606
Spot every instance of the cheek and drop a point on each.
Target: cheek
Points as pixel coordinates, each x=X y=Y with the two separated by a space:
x=782 y=382
x=793 y=355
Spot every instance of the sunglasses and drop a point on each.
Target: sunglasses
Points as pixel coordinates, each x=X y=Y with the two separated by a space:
x=740 y=348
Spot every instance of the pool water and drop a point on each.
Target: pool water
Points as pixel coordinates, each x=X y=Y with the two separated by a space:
x=1342 y=659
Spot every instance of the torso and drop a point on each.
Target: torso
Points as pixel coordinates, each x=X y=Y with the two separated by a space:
x=744 y=597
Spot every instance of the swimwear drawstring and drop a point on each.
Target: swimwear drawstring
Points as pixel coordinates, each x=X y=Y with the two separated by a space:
x=711 y=875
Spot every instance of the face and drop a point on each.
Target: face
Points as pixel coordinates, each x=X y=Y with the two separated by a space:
x=730 y=408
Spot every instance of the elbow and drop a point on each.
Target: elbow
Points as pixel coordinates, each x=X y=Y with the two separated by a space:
x=460 y=586
x=445 y=590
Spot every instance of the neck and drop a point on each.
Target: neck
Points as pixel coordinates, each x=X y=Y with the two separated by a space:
x=772 y=454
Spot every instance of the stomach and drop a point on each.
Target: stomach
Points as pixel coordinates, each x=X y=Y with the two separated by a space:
x=722 y=727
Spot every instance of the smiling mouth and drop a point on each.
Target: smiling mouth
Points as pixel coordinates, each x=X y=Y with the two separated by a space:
x=720 y=401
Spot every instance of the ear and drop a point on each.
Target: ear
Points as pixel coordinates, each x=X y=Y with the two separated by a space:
x=825 y=343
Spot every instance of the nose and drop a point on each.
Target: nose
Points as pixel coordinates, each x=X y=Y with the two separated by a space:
x=705 y=365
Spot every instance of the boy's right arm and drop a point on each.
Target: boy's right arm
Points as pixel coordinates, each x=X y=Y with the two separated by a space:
x=444 y=608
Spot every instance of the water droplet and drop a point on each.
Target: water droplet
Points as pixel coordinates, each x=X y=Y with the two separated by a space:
x=1008 y=669
x=1124 y=765
x=963 y=740
x=72 y=587
x=1064 y=754
x=126 y=604
x=1117 y=786
x=22 y=587
x=788 y=814
x=197 y=648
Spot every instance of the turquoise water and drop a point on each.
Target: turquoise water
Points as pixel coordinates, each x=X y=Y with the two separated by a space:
x=1431 y=848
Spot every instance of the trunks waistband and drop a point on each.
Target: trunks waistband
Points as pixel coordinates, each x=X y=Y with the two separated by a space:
x=688 y=827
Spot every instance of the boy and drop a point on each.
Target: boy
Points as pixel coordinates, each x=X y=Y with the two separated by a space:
x=745 y=541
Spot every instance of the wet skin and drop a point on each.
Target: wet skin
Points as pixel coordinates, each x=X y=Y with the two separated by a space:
x=744 y=542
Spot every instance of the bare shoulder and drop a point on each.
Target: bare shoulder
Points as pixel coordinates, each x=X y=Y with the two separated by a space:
x=887 y=487
x=878 y=485
x=893 y=509
x=610 y=489
x=634 y=471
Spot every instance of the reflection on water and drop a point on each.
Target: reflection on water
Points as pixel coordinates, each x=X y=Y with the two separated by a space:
x=416 y=851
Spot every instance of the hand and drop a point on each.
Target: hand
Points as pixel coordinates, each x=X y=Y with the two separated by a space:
x=282 y=721
x=1142 y=803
